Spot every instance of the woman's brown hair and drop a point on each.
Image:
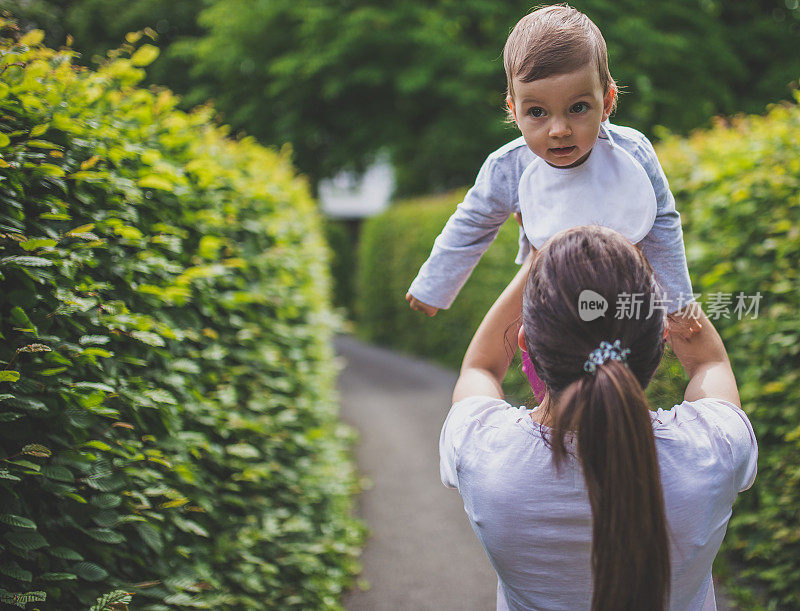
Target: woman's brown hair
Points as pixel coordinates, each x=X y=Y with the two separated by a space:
x=606 y=411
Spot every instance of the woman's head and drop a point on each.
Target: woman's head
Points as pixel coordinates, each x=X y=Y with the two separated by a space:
x=573 y=274
x=605 y=409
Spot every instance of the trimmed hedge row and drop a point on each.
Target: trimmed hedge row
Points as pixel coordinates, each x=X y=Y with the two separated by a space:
x=340 y=239
x=738 y=190
x=392 y=247
x=169 y=418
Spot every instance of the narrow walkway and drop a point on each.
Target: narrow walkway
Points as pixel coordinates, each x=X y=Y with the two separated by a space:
x=422 y=553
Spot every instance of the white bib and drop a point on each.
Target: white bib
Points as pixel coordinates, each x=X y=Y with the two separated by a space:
x=610 y=188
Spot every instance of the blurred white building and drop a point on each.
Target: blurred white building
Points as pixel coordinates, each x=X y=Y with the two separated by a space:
x=352 y=196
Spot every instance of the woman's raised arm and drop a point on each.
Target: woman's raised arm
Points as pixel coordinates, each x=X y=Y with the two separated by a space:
x=490 y=353
x=703 y=356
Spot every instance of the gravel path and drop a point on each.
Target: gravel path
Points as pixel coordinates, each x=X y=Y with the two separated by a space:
x=422 y=553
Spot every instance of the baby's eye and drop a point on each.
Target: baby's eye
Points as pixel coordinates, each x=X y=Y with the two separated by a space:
x=579 y=108
x=536 y=112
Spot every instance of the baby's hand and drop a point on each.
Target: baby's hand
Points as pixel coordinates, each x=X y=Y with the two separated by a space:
x=684 y=322
x=417 y=305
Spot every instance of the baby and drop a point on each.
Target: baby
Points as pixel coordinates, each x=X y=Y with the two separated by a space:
x=570 y=167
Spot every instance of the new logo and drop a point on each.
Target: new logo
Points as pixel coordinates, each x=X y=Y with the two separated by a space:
x=591 y=305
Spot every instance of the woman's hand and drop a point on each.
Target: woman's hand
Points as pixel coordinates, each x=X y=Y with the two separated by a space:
x=684 y=323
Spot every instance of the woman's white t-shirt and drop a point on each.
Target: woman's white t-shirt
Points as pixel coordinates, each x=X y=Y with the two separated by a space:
x=535 y=523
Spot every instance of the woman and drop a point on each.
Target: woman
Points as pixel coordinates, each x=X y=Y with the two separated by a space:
x=592 y=500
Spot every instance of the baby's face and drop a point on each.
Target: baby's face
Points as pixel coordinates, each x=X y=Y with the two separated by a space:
x=560 y=115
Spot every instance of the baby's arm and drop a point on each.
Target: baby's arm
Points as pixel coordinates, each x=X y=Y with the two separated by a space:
x=466 y=236
x=524 y=250
x=663 y=246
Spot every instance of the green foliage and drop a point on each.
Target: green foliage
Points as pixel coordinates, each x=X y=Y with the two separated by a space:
x=99 y=26
x=341 y=81
x=737 y=187
x=341 y=238
x=169 y=426
x=117 y=597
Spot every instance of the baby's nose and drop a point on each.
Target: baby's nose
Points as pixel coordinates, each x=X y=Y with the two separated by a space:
x=559 y=128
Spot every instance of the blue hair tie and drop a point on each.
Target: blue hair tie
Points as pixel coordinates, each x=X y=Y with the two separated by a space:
x=605 y=352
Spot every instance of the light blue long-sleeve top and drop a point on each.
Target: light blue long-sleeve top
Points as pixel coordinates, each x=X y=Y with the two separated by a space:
x=494 y=197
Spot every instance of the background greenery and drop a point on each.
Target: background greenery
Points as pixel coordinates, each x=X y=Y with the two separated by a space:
x=169 y=420
x=342 y=236
x=737 y=187
x=424 y=81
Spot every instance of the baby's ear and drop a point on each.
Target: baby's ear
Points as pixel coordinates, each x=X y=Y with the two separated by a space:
x=608 y=101
x=510 y=104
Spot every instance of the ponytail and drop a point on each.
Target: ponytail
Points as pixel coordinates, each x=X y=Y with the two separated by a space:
x=609 y=414
x=601 y=401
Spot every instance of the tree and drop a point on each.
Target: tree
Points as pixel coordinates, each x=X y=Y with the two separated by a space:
x=343 y=80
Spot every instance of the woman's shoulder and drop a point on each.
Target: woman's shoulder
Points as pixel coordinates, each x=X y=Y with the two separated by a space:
x=481 y=410
x=715 y=423
x=476 y=411
x=706 y=411
x=480 y=418
x=480 y=426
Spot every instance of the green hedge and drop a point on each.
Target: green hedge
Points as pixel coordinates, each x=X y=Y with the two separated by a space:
x=168 y=409
x=340 y=237
x=738 y=191
x=392 y=247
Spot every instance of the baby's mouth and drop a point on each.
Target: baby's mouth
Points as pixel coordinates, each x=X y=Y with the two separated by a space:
x=563 y=151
